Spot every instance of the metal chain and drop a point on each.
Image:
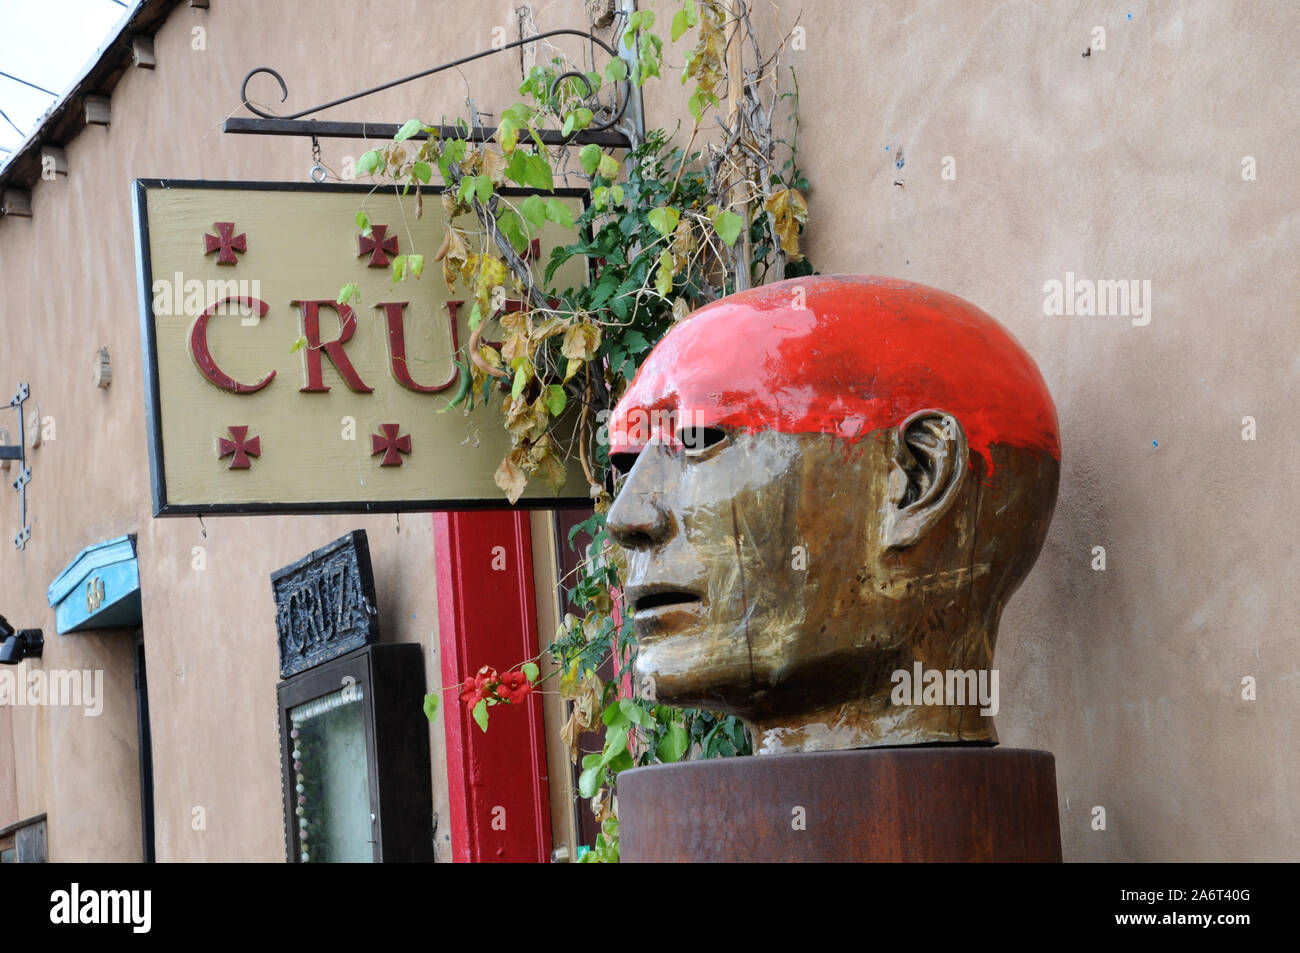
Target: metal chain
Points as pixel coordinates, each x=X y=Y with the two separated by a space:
x=318 y=172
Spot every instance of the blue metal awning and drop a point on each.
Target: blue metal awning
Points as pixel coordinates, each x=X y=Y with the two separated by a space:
x=100 y=589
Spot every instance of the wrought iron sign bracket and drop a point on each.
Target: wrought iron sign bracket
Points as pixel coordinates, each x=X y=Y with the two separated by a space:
x=19 y=452
x=602 y=133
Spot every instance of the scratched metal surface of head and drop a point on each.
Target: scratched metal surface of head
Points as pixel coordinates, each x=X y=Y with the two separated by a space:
x=831 y=487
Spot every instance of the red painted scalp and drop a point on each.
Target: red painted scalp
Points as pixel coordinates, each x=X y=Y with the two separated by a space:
x=840 y=355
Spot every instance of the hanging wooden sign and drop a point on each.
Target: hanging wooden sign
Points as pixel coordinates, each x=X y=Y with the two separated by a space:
x=265 y=395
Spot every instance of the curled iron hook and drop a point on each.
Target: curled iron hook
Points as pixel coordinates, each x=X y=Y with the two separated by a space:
x=573 y=74
x=243 y=91
x=590 y=98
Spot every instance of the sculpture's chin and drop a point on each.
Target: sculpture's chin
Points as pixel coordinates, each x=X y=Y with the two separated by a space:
x=705 y=667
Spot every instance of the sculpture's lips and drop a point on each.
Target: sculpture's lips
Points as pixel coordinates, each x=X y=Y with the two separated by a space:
x=653 y=604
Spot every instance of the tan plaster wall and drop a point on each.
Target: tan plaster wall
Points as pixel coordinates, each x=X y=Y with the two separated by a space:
x=1124 y=164
x=1120 y=165
x=8 y=781
x=67 y=286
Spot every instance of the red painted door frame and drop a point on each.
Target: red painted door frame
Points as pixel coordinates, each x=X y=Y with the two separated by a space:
x=497 y=781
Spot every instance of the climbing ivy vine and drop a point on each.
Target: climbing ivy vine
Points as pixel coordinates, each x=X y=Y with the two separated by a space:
x=668 y=228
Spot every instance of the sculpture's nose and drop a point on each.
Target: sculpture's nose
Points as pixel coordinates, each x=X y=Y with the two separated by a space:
x=639 y=519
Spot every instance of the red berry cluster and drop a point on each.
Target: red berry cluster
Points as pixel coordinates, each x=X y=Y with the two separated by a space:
x=511 y=687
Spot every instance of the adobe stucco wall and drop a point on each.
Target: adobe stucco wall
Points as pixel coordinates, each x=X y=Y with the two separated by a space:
x=1122 y=165
x=1126 y=164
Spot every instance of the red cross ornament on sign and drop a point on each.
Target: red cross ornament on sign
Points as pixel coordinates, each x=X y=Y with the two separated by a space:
x=377 y=244
x=240 y=448
x=389 y=445
x=226 y=242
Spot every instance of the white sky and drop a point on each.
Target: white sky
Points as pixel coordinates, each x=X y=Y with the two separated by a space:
x=46 y=42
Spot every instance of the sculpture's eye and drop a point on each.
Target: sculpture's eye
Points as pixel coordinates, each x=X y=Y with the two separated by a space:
x=700 y=440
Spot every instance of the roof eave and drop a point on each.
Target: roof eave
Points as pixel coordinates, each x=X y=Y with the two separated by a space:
x=67 y=117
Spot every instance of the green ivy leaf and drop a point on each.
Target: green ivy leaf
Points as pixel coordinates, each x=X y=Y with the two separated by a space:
x=453 y=151
x=589 y=156
x=298 y=344
x=604 y=288
x=517 y=167
x=512 y=226
x=409 y=128
x=608 y=167
x=679 y=24
x=650 y=58
x=636 y=714
x=589 y=781
x=530 y=169
x=399 y=268
x=664 y=274
x=556 y=399
x=539 y=173
x=558 y=212
x=615 y=745
x=481 y=714
x=508 y=134
x=422 y=171
x=347 y=293
x=479 y=186
x=621 y=762
x=370 y=161
x=363 y=223
x=534 y=210
x=567 y=129
x=530 y=671
x=521 y=381
x=674 y=744
x=663 y=219
x=518 y=114
x=415 y=265
x=728 y=226
x=621 y=303
x=615 y=718
x=641 y=20
x=616 y=71
x=431 y=706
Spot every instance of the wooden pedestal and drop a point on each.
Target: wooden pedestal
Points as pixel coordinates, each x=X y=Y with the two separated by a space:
x=881 y=804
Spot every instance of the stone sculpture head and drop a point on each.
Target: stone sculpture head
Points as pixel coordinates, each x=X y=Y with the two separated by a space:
x=830 y=481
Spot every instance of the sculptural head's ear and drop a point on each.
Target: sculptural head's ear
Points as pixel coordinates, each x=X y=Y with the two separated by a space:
x=928 y=465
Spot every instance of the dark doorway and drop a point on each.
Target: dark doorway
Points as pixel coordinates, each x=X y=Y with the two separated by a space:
x=146 y=749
